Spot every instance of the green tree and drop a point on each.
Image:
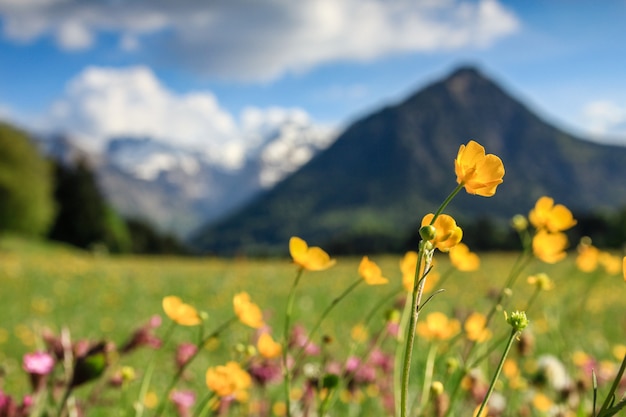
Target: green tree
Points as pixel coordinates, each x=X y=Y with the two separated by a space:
x=84 y=219
x=26 y=201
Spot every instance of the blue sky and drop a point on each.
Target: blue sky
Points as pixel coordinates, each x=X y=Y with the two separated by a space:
x=201 y=73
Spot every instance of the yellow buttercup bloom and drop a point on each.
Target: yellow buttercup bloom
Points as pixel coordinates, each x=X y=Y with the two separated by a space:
x=371 y=273
x=475 y=328
x=611 y=263
x=463 y=259
x=624 y=267
x=549 y=247
x=247 y=312
x=553 y=218
x=542 y=281
x=447 y=233
x=408 y=263
x=311 y=259
x=268 y=348
x=588 y=256
x=479 y=173
x=229 y=379
x=438 y=326
x=179 y=312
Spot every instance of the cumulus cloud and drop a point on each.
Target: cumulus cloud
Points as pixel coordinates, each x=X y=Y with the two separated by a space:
x=263 y=39
x=103 y=103
x=603 y=117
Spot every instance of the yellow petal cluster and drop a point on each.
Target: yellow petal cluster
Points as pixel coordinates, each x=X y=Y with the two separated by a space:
x=541 y=281
x=371 y=273
x=475 y=329
x=181 y=313
x=588 y=257
x=311 y=259
x=229 y=379
x=553 y=218
x=268 y=348
x=478 y=172
x=549 y=247
x=447 y=233
x=248 y=313
x=463 y=259
x=408 y=263
x=438 y=326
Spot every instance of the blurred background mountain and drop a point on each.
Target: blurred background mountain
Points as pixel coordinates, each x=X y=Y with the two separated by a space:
x=363 y=191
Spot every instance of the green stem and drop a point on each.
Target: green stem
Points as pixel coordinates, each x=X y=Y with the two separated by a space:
x=428 y=376
x=532 y=299
x=418 y=289
x=512 y=337
x=288 y=313
x=317 y=325
x=446 y=202
x=184 y=366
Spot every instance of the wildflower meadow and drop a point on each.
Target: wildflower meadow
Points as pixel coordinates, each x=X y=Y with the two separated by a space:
x=439 y=331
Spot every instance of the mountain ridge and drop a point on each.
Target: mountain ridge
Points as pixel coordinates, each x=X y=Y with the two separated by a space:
x=402 y=159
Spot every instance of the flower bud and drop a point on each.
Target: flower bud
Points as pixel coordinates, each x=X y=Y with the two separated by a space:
x=519 y=223
x=517 y=320
x=428 y=232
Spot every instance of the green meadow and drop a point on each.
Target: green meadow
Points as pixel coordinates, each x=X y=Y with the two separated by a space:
x=100 y=296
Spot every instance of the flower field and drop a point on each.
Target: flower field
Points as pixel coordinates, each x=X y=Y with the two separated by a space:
x=440 y=331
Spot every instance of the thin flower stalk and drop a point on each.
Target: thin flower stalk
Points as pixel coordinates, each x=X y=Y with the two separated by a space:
x=181 y=369
x=428 y=376
x=512 y=336
x=288 y=314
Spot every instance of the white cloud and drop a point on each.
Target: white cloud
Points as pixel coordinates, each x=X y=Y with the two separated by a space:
x=603 y=117
x=264 y=39
x=103 y=103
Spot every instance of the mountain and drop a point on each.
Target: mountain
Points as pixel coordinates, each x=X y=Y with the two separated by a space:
x=390 y=168
x=179 y=189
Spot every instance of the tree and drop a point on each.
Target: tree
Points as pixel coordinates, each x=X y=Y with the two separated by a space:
x=84 y=218
x=26 y=200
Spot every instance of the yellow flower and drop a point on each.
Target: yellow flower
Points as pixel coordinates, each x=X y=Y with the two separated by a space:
x=475 y=329
x=247 y=312
x=181 y=313
x=447 y=233
x=359 y=333
x=553 y=218
x=542 y=281
x=267 y=347
x=542 y=403
x=407 y=266
x=311 y=259
x=479 y=173
x=624 y=267
x=438 y=326
x=229 y=379
x=588 y=256
x=463 y=259
x=549 y=247
x=611 y=263
x=371 y=273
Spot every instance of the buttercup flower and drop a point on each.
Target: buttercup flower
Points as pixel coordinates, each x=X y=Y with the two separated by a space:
x=463 y=259
x=549 y=247
x=553 y=218
x=480 y=174
x=371 y=273
x=447 y=233
x=611 y=263
x=624 y=267
x=588 y=256
x=311 y=259
x=229 y=379
x=542 y=281
x=181 y=313
x=247 y=312
x=407 y=267
x=475 y=329
x=267 y=347
x=438 y=326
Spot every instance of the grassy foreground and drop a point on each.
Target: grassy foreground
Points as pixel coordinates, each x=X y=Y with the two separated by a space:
x=44 y=285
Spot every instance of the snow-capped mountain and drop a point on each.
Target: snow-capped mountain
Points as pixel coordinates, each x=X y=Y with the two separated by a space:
x=180 y=189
